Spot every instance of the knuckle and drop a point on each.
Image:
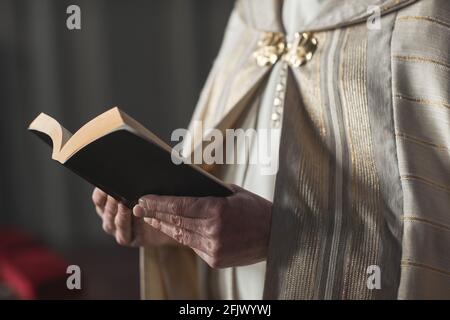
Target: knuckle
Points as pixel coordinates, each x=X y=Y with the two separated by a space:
x=174 y=207
x=185 y=239
x=110 y=209
x=120 y=240
x=149 y=203
x=112 y=201
x=175 y=220
x=107 y=227
x=180 y=236
x=108 y=212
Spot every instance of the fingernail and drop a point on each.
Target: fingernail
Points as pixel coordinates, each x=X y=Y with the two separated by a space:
x=138 y=211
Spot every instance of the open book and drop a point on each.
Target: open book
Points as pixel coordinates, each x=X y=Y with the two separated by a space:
x=120 y=156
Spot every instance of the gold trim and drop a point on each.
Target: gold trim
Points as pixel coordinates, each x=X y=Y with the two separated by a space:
x=389 y=6
x=432 y=223
x=420 y=59
x=407 y=263
x=425 y=18
x=362 y=222
x=422 y=142
x=426 y=181
x=423 y=101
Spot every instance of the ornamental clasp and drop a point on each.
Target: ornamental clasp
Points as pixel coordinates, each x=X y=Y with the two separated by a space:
x=273 y=46
x=301 y=49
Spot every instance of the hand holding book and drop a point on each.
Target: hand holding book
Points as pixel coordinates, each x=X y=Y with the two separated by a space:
x=225 y=226
x=223 y=231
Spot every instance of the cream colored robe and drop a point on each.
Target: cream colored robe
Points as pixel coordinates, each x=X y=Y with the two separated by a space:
x=364 y=174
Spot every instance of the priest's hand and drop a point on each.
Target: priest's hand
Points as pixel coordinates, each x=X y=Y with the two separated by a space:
x=224 y=232
x=120 y=222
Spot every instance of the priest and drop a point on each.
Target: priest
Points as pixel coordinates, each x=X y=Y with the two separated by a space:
x=360 y=91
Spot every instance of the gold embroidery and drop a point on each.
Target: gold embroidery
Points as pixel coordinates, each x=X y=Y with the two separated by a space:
x=421 y=59
x=426 y=181
x=364 y=219
x=424 y=101
x=408 y=263
x=391 y=5
x=420 y=141
x=432 y=223
x=310 y=174
x=425 y=18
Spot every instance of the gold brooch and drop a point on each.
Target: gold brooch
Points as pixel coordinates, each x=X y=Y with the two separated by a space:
x=272 y=47
x=301 y=50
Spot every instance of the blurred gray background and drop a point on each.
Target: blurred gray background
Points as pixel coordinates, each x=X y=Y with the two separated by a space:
x=148 y=57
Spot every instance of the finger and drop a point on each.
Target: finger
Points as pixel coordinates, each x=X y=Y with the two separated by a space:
x=99 y=211
x=99 y=198
x=109 y=214
x=108 y=225
x=123 y=223
x=201 y=226
x=168 y=204
x=111 y=207
x=183 y=236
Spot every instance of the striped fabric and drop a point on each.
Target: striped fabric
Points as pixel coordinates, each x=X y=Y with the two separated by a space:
x=364 y=176
x=421 y=93
x=369 y=182
x=334 y=217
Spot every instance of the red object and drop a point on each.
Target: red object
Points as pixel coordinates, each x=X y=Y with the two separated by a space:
x=12 y=240
x=35 y=273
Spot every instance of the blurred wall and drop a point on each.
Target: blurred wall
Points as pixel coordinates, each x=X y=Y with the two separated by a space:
x=150 y=57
